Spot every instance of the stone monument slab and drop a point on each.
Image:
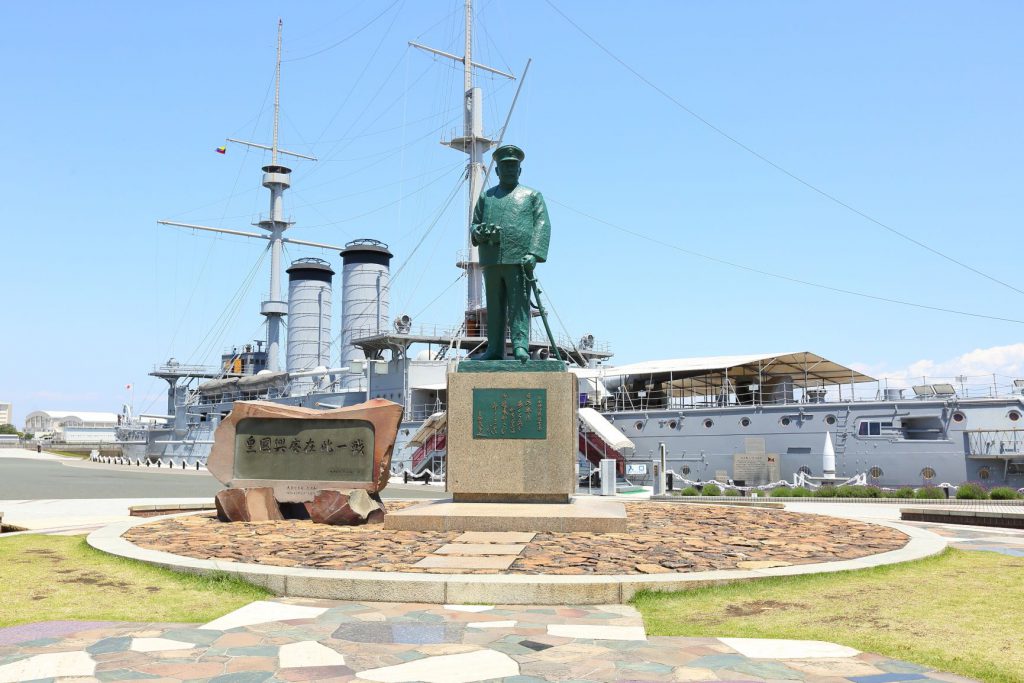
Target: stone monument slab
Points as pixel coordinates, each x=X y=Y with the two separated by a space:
x=300 y=451
x=512 y=436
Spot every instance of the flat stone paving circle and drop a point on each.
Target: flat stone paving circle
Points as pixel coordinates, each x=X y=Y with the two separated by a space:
x=661 y=538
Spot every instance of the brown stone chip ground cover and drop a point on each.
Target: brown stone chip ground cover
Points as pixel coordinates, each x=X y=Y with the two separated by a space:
x=661 y=538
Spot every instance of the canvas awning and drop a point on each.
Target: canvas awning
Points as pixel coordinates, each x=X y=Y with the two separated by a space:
x=608 y=432
x=699 y=376
x=438 y=422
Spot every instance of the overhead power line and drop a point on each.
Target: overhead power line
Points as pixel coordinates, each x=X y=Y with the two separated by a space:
x=780 y=276
x=773 y=164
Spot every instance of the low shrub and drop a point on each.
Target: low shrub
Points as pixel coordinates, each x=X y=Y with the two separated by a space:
x=781 y=492
x=1003 y=493
x=971 y=491
x=689 y=491
x=826 y=492
x=904 y=492
x=874 y=492
x=800 y=492
x=711 y=490
x=732 y=492
x=926 y=492
x=852 y=492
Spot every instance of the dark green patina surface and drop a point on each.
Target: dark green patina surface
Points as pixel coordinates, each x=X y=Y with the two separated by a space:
x=510 y=413
x=310 y=450
x=512 y=230
x=511 y=366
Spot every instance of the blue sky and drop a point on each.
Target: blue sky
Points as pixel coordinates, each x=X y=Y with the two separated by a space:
x=907 y=112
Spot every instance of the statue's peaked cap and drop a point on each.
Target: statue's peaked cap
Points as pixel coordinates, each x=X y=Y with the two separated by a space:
x=508 y=152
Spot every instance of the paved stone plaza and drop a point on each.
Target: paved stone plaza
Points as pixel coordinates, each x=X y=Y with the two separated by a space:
x=310 y=640
x=661 y=538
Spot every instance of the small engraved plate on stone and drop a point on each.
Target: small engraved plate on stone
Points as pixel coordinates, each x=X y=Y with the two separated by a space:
x=304 y=449
x=510 y=413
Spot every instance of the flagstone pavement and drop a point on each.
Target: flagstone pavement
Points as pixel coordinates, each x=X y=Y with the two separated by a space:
x=290 y=639
x=317 y=640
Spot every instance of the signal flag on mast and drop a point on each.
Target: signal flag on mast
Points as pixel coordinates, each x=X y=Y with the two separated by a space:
x=222 y=150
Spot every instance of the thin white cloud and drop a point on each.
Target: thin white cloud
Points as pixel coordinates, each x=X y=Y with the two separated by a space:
x=977 y=373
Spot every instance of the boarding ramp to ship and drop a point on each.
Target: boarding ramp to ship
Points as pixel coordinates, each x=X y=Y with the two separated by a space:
x=600 y=439
x=431 y=440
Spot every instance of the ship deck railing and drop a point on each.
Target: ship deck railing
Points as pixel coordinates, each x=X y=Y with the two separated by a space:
x=621 y=400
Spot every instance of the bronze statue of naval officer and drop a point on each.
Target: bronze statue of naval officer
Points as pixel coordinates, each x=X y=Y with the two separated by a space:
x=512 y=230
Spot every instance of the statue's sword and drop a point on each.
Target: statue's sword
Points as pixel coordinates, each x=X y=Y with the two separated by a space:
x=534 y=286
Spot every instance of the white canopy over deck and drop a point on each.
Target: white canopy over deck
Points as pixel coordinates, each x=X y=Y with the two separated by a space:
x=709 y=375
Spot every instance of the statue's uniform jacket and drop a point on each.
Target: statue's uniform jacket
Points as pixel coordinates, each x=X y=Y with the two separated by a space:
x=523 y=218
x=525 y=229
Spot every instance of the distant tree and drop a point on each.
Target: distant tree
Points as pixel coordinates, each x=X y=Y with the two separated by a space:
x=8 y=429
x=28 y=436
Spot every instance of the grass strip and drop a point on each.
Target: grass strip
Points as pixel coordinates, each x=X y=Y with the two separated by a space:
x=959 y=611
x=62 y=578
x=70 y=454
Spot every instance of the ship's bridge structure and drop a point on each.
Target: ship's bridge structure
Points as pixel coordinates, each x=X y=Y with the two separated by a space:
x=744 y=380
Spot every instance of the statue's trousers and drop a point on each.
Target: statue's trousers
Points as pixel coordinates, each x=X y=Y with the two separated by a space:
x=507 y=284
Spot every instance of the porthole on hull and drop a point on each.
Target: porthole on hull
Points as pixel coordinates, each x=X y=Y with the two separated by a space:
x=927 y=474
x=875 y=472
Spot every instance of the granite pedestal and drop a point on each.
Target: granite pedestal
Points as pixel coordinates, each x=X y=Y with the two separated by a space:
x=512 y=443
x=512 y=432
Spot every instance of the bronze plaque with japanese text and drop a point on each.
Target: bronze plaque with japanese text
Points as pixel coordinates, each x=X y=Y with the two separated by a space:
x=304 y=449
x=510 y=413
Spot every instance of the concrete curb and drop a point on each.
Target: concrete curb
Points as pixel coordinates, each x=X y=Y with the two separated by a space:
x=512 y=589
x=1010 y=519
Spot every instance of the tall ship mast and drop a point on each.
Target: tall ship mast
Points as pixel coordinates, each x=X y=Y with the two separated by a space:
x=475 y=144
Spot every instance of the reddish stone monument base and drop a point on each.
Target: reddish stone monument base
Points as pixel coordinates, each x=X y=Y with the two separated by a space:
x=330 y=506
x=286 y=462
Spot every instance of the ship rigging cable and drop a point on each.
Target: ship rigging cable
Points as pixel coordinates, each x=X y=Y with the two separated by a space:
x=777 y=166
x=346 y=38
x=779 y=276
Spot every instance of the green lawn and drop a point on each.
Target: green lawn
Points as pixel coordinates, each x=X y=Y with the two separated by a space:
x=60 y=577
x=69 y=454
x=961 y=611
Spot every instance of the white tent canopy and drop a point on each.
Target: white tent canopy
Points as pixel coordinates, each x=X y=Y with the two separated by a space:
x=696 y=376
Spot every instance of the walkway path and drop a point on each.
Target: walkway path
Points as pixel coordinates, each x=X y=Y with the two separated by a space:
x=310 y=640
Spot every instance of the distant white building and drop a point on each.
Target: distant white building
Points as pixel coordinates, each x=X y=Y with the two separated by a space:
x=6 y=413
x=73 y=426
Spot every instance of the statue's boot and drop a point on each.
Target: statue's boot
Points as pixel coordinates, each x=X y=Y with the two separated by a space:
x=521 y=354
x=497 y=354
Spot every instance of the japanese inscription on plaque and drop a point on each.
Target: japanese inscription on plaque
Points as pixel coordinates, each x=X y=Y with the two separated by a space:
x=304 y=449
x=510 y=413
